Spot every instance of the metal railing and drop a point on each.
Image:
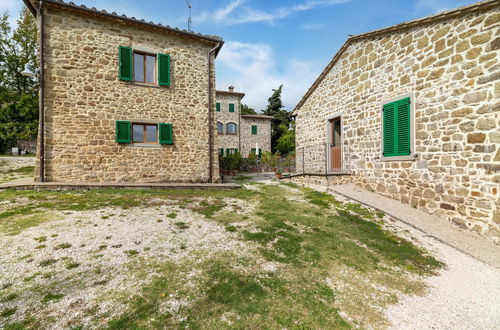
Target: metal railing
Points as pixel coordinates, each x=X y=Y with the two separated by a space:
x=319 y=159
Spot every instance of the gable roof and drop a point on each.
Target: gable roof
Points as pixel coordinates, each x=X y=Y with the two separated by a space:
x=241 y=95
x=461 y=11
x=70 y=6
x=257 y=117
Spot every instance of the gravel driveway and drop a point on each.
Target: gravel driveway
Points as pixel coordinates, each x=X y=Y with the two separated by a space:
x=464 y=295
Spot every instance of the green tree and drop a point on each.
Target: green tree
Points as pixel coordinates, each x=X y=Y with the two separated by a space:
x=18 y=93
x=246 y=110
x=281 y=116
x=286 y=142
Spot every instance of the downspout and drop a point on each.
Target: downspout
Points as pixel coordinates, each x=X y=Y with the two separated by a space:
x=42 y=95
x=239 y=127
x=210 y=129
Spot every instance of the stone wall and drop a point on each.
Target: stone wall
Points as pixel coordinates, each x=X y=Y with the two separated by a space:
x=451 y=70
x=224 y=116
x=84 y=98
x=262 y=138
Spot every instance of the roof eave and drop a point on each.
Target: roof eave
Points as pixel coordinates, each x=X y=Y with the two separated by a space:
x=485 y=5
x=230 y=93
x=131 y=20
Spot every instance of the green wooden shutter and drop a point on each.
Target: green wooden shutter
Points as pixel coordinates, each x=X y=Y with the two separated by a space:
x=235 y=150
x=231 y=107
x=166 y=133
x=254 y=129
x=122 y=131
x=397 y=128
x=217 y=106
x=260 y=152
x=228 y=151
x=221 y=152
x=163 y=70
x=389 y=129
x=403 y=127
x=125 y=63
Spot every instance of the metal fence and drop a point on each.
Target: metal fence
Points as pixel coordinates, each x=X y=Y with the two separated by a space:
x=321 y=158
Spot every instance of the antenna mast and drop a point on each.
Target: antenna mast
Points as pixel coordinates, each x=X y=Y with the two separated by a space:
x=189 y=19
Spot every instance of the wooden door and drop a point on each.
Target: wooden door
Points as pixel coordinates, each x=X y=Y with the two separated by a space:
x=336 y=145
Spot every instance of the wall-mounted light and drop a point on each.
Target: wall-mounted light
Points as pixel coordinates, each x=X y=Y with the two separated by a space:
x=28 y=71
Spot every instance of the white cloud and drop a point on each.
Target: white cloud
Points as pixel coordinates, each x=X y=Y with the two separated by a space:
x=312 y=26
x=237 y=12
x=13 y=8
x=252 y=69
x=433 y=6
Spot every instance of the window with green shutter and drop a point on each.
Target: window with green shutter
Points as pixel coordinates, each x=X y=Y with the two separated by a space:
x=125 y=63
x=163 y=70
x=166 y=133
x=254 y=129
x=123 y=131
x=217 y=106
x=228 y=151
x=397 y=128
x=231 y=107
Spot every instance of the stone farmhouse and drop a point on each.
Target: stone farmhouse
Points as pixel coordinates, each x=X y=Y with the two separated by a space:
x=122 y=99
x=412 y=112
x=245 y=134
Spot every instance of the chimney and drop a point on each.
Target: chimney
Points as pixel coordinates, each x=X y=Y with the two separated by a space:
x=231 y=88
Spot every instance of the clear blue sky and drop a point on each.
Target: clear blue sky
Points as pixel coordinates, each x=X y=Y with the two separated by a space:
x=269 y=43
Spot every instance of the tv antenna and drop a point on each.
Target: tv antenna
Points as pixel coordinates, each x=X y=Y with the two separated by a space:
x=189 y=19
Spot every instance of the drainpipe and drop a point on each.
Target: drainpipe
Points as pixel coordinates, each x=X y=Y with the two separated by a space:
x=41 y=113
x=210 y=133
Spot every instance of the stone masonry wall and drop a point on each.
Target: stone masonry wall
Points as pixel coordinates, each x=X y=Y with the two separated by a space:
x=249 y=140
x=84 y=98
x=225 y=117
x=451 y=70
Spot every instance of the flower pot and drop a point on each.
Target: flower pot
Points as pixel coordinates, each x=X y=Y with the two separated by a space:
x=278 y=175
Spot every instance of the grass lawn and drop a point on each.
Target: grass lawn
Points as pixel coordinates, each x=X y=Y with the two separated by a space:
x=264 y=256
x=20 y=168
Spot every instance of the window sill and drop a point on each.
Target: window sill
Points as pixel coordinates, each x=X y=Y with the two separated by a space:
x=398 y=158
x=146 y=145
x=231 y=133
x=135 y=83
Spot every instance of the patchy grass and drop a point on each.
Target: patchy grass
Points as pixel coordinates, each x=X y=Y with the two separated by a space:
x=310 y=261
x=181 y=225
x=52 y=297
x=62 y=246
x=242 y=178
x=131 y=253
x=14 y=223
x=48 y=262
x=8 y=312
x=22 y=170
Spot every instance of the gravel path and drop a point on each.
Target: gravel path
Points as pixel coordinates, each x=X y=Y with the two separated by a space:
x=465 y=295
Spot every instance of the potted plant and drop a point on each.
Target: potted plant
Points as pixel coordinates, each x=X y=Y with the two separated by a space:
x=224 y=165
x=266 y=159
x=278 y=174
x=286 y=164
x=252 y=161
x=235 y=163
